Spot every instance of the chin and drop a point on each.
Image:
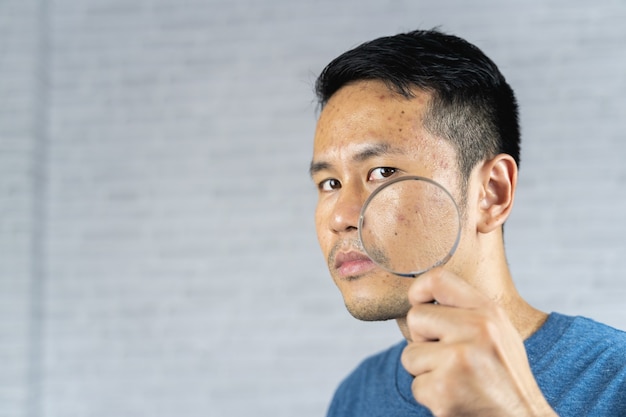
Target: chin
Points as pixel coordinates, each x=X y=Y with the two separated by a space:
x=377 y=308
x=375 y=296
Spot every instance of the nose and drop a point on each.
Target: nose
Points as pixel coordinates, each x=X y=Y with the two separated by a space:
x=346 y=211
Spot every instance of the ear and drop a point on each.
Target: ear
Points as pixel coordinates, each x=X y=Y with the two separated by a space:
x=498 y=184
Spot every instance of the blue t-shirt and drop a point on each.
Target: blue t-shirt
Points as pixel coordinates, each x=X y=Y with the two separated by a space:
x=579 y=364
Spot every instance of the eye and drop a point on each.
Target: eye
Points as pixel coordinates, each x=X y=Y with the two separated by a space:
x=329 y=185
x=381 y=173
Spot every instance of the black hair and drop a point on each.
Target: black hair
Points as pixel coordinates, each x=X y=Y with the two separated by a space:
x=471 y=104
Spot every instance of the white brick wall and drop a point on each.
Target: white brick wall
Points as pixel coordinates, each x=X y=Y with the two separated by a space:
x=20 y=220
x=181 y=275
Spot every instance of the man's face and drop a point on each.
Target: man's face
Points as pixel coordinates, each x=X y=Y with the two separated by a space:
x=365 y=136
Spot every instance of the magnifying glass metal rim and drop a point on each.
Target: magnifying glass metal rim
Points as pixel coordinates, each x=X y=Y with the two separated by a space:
x=442 y=261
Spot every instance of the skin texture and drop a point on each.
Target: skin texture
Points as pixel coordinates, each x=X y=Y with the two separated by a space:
x=466 y=352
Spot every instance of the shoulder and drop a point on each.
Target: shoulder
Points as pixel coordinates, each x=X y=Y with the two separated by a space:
x=586 y=338
x=574 y=334
x=598 y=331
x=580 y=365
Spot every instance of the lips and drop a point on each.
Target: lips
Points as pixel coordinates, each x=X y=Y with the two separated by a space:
x=352 y=263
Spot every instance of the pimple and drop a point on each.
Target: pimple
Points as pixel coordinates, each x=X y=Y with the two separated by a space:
x=441 y=162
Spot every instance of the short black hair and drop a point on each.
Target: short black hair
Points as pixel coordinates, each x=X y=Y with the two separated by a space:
x=471 y=105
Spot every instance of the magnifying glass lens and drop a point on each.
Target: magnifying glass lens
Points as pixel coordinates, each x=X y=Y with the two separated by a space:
x=410 y=225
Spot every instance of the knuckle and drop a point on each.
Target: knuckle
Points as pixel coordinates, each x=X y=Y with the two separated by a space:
x=463 y=357
x=487 y=324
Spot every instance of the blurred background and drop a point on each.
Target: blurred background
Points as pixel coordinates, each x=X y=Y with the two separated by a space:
x=157 y=248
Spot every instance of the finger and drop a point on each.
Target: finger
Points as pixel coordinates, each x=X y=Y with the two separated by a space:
x=431 y=322
x=422 y=389
x=435 y=393
x=445 y=375
x=437 y=322
x=447 y=323
x=421 y=357
x=446 y=288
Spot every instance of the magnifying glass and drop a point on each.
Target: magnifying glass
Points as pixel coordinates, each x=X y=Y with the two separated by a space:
x=410 y=225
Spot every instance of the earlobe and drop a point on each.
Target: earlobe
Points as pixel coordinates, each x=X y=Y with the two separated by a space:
x=499 y=180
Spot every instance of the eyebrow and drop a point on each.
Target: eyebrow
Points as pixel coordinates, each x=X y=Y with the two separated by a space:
x=371 y=151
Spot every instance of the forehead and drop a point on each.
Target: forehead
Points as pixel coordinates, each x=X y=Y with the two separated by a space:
x=368 y=112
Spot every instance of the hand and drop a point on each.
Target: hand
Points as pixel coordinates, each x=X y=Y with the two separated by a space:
x=467 y=357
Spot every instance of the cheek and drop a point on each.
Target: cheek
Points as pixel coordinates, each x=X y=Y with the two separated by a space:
x=325 y=235
x=320 y=222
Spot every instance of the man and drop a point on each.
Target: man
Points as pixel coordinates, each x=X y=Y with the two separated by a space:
x=429 y=104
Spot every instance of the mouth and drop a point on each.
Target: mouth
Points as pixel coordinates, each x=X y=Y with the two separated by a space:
x=353 y=264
